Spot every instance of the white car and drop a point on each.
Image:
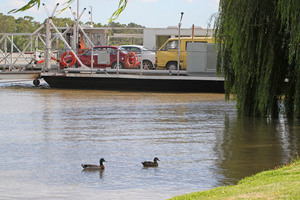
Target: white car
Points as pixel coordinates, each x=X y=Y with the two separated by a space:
x=148 y=55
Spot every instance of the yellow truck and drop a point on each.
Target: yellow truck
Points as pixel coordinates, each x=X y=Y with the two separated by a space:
x=167 y=54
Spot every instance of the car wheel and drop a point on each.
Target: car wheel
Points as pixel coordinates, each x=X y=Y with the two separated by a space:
x=172 y=66
x=114 y=65
x=147 y=64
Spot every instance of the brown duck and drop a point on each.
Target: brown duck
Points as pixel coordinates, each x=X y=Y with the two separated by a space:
x=94 y=167
x=150 y=163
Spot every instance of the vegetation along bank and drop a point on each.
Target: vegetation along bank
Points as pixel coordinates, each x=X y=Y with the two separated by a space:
x=279 y=183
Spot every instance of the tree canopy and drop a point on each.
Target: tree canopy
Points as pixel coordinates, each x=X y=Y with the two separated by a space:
x=259 y=55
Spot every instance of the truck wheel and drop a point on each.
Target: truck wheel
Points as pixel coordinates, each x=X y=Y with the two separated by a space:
x=172 y=66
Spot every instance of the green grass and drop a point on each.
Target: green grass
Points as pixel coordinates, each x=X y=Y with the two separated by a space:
x=281 y=183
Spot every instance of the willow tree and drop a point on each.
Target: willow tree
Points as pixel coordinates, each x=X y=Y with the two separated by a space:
x=259 y=55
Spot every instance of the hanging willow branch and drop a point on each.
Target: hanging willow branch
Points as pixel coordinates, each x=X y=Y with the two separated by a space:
x=121 y=7
x=37 y=3
x=258 y=51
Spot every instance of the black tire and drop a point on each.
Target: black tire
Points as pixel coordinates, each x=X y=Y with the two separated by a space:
x=36 y=82
x=114 y=65
x=147 y=64
x=172 y=66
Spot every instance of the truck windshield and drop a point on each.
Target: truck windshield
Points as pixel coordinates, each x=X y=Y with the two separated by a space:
x=170 y=45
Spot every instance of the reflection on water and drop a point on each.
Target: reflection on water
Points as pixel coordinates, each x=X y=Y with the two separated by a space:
x=46 y=134
x=251 y=145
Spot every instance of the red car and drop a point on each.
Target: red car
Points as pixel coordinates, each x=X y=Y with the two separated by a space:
x=127 y=60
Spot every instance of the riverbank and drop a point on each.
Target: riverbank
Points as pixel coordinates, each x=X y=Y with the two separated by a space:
x=280 y=183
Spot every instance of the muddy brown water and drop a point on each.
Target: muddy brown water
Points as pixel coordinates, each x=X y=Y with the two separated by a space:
x=45 y=135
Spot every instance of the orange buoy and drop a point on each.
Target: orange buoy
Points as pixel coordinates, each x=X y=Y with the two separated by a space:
x=131 y=60
x=63 y=62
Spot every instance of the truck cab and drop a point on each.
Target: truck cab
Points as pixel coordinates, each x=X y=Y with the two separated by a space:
x=167 y=54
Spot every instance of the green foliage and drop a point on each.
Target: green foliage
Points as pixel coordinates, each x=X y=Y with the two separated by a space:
x=37 y=3
x=121 y=8
x=7 y=24
x=62 y=22
x=26 y=25
x=21 y=25
x=130 y=30
x=258 y=49
x=94 y=24
x=289 y=12
x=29 y=5
x=282 y=183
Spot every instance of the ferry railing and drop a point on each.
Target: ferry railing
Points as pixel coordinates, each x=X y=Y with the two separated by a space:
x=49 y=23
x=13 y=56
x=103 y=57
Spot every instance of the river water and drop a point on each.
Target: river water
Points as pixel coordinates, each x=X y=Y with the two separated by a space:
x=45 y=135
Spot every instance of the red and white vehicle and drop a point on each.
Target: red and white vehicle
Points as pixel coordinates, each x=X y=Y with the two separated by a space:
x=127 y=60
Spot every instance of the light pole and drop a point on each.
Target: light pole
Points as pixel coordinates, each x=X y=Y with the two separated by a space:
x=179 y=26
x=91 y=12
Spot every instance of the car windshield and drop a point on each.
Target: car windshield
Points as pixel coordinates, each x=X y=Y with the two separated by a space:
x=122 y=49
x=110 y=50
x=146 y=49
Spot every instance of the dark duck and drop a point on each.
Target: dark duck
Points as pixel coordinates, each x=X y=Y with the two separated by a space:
x=150 y=163
x=94 y=167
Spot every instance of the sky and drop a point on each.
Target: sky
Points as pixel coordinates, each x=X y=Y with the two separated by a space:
x=149 y=13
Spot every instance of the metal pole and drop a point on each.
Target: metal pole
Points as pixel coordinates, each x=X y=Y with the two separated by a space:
x=47 y=56
x=64 y=33
x=77 y=29
x=74 y=30
x=5 y=51
x=74 y=43
x=92 y=60
x=142 y=66
x=66 y=43
x=193 y=33
x=88 y=39
x=36 y=45
x=179 y=26
x=31 y=38
x=118 y=60
x=48 y=46
x=12 y=51
x=91 y=12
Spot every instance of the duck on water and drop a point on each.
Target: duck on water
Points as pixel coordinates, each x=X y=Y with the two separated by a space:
x=93 y=166
x=150 y=163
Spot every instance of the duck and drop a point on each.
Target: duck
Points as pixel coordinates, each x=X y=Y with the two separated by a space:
x=94 y=167
x=150 y=163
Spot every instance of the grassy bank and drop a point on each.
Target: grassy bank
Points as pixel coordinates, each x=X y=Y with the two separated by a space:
x=281 y=183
